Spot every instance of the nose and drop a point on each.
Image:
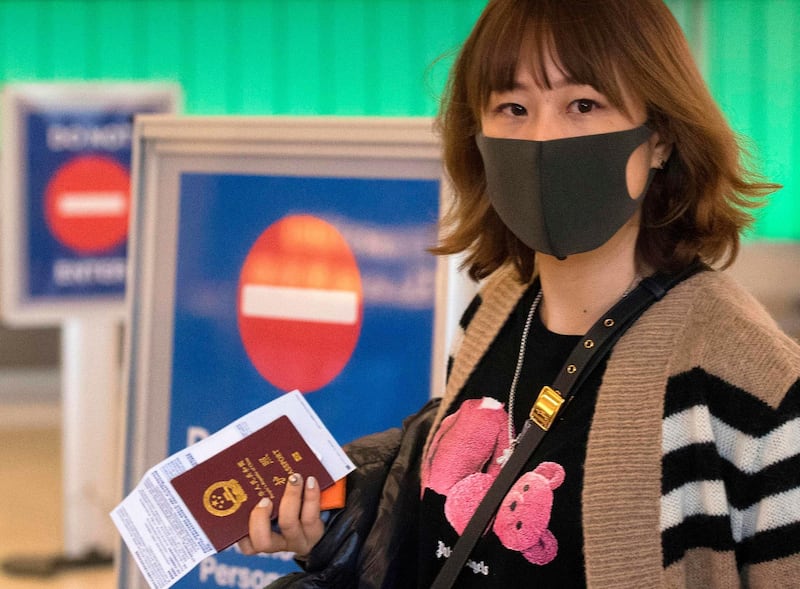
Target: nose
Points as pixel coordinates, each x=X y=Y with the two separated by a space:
x=540 y=126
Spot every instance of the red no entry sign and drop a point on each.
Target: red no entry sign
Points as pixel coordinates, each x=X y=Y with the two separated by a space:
x=300 y=303
x=87 y=204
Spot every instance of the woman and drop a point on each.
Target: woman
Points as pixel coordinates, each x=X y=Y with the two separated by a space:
x=585 y=154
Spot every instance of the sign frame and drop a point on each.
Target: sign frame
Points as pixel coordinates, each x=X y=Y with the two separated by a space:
x=19 y=100
x=166 y=147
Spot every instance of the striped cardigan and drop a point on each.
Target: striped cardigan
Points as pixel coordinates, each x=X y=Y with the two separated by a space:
x=692 y=474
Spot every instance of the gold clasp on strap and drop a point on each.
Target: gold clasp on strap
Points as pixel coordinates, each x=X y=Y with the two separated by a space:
x=546 y=407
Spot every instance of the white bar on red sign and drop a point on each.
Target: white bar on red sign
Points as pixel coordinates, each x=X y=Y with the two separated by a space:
x=92 y=204
x=300 y=304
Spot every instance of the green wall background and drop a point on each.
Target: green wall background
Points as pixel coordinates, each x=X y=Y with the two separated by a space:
x=381 y=58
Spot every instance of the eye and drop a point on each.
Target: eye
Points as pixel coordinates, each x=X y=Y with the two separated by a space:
x=582 y=105
x=513 y=109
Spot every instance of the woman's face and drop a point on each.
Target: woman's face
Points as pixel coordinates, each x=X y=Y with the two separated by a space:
x=567 y=109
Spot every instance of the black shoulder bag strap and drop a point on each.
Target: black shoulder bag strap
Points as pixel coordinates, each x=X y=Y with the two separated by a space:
x=597 y=342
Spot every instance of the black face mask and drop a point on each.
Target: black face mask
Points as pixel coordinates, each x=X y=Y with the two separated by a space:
x=564 y=196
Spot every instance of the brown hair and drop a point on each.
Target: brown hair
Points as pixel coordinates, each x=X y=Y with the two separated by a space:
x=695 y=207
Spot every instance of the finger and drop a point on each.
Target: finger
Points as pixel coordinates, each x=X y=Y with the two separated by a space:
x=310 y=520
x=261 y=538
x=289 y=512
x=246 y=546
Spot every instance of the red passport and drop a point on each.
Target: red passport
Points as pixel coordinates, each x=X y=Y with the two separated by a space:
x=222 y=491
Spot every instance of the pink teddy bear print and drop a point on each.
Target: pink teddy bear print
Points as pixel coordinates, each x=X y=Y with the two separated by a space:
x=463 y=463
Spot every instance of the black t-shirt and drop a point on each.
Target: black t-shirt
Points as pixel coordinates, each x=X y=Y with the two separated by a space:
x=536 y=538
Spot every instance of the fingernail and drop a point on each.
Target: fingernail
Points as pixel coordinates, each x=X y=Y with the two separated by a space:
x=263 y=503
x=311 y=482
x=294 y=479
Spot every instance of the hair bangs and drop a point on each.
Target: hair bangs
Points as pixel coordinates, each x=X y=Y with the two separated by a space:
x=496 y=54
x=530 y=34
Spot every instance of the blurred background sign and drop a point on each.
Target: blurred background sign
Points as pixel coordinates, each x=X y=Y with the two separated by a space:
x=66 y=195
x=273 y=253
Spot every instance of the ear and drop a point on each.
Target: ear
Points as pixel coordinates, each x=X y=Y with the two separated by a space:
x=660 y=151
x=552 y=472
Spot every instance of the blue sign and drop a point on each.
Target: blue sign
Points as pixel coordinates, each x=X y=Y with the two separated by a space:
x=372 y=339
x=78 y=187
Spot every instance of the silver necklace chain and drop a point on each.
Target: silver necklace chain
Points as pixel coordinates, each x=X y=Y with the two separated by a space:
x=513 y=438
x=512 y=393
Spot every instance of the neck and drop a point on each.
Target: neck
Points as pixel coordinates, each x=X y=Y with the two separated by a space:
x=578 y=290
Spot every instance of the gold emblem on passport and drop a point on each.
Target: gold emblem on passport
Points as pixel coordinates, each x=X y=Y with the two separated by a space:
x=544 y=411
x=224 y=497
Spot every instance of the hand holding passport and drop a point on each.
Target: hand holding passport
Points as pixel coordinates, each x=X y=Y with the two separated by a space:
x=221 y=492
x=198 y=501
